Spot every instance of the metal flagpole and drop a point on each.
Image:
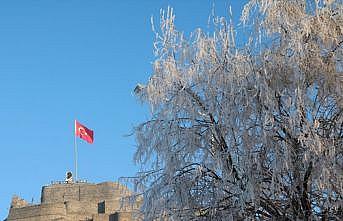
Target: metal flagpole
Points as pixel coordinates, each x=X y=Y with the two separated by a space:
x=75 y=149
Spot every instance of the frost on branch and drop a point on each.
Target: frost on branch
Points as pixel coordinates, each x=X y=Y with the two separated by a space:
x=246 y=133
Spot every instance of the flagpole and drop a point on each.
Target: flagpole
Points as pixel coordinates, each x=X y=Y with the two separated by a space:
x=75 y=149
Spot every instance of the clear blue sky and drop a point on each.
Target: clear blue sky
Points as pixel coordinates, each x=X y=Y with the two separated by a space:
x=62 y=60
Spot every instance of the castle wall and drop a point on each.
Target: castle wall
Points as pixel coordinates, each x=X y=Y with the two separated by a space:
x=76 y=201
x=38 y=212
x=82 y=192
x=122 y=216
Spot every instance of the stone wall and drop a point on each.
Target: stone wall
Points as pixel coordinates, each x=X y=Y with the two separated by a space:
x=82 y=191
x=17 y=202
x=38 y=212
x=75 y=201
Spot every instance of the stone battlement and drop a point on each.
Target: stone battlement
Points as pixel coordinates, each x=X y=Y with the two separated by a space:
x=82 y=191
x=17 y=202
x=75 y=201
x=38 y=212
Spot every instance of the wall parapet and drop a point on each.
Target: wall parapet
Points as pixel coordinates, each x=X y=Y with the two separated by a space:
x=51 y=209
x=62 y=192
x=75 y=201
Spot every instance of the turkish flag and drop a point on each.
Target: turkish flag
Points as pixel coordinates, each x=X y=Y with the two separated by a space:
x=83 y=132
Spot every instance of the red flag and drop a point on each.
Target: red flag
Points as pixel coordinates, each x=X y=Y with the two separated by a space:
x=83 y=132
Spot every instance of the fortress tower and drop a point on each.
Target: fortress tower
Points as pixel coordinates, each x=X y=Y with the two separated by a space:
x=81 y=201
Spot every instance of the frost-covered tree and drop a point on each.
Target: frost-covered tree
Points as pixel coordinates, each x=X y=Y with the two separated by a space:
x=251 y=132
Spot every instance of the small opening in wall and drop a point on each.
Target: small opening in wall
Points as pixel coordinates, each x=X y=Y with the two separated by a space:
x=101 y=207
